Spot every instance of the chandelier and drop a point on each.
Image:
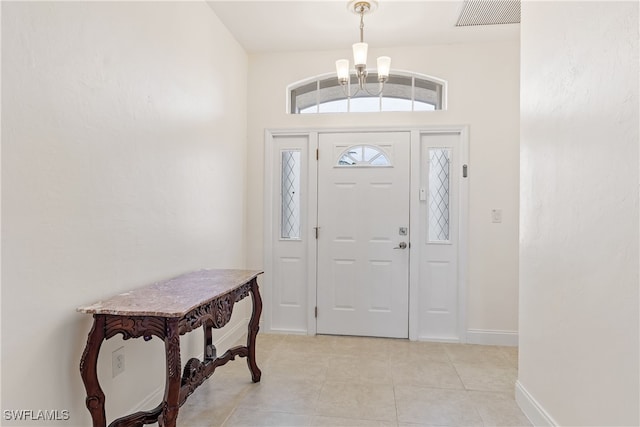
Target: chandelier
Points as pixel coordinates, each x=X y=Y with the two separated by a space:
x=362 y=7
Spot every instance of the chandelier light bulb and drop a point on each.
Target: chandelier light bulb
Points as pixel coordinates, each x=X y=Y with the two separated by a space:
x=360 y=53
x=342 y=69
x=384 y=66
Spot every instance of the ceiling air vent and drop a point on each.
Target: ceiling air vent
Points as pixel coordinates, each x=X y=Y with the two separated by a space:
x=489 y=12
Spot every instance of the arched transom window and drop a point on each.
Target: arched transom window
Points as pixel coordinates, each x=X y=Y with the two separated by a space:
x=402 y=92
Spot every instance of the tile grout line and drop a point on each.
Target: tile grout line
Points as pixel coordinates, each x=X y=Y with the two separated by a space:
x=464 y=386
x=246 y=390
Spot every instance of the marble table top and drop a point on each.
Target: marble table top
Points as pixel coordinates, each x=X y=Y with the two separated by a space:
x=174 y=297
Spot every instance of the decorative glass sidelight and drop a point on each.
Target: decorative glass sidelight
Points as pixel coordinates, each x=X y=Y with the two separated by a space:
x=290 y=194
x=439 y=177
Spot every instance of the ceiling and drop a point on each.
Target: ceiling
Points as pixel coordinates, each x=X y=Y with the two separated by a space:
x=303 y=25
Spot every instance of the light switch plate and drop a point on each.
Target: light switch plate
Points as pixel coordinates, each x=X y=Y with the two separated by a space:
x=496 y=215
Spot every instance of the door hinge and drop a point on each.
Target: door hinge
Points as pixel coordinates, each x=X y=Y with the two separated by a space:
x=316 y=312
x=317 y=154
x=465 y=171
x=316 y=231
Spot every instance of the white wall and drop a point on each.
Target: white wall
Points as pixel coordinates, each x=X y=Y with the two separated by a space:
x=483 y=93
x=123 y=162
x=579 y=213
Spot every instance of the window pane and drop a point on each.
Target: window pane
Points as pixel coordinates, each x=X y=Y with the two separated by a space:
x=330 y=90
x=380 y=160
x=395 y=104
x=423 y=106
x=396 y=95
x=304 y=97
x=364 y=105
x=290 y=193
x=439 y=194
x=338 y=106
x=428 y=92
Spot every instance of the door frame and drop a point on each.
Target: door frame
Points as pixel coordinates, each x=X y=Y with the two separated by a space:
x=312 y=135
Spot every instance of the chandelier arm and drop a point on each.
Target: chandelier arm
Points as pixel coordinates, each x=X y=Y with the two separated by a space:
x=375 y=94
x=346 y=90
x=361 y=74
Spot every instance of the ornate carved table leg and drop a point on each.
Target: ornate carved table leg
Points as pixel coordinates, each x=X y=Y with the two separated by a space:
x=171 y=402
x=88 y=364
x=254 y=325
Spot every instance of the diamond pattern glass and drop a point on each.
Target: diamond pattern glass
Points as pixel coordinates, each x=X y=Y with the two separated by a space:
x=439 y=159
x=290 y=195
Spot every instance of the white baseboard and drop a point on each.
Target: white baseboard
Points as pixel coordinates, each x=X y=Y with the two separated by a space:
x=438 y=339
x=225 y=342
x=492 y=337
x=286 y=331
x=532 y=409
x=230 y=337
x=149 y=402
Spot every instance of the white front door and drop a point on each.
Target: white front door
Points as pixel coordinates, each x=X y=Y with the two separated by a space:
x=363 y=235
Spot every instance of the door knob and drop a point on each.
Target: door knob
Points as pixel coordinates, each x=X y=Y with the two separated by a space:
x=401 y=245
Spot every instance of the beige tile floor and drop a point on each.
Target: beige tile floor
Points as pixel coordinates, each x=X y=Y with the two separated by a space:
x=353 y=381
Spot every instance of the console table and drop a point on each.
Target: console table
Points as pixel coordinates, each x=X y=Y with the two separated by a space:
x=167 y=310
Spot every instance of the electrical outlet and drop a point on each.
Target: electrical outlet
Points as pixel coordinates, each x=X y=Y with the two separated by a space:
x=117 y=362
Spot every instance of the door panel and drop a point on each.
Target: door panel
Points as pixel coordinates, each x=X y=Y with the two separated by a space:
x=363 y=215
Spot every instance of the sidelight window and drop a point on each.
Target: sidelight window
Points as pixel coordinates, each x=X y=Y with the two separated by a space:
x=439 y=160
x=290 y=194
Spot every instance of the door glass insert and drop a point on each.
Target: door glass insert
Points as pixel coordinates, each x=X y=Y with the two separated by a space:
x=290 y=194
x=439 y=160
x=363 y=155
